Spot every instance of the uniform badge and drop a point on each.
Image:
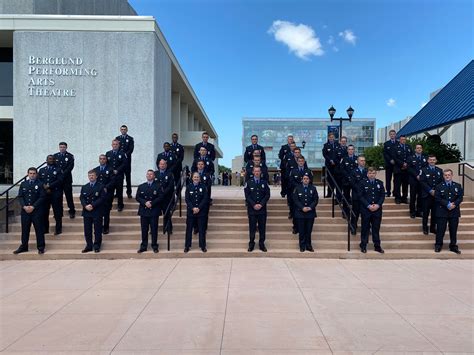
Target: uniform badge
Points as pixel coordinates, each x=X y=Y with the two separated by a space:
x=263 y=186
x=204 y=178
x=456 y=189
x=154 y=192
x=300 y=194
x=329 y=149
x=207 y=163
x=177 y=149
x=66 y=159
x=126 y=140
x=171 y=158
x=191 y=192
x=166 y=177
x=36 y=187
x=54 y=172
x=97 y=193
x=120 y=157
x=378 y=186
x=310 y=191
x=200 y=189
x=106 y=171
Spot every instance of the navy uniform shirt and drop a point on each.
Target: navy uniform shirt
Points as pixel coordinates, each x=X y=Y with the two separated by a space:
x=305 y=197
x=416 y=164
x=211 y=151
x=150 y=192
x=332 y=152
x=256 y=193
x=104 y=176
x=171 y=160
x=402 y=156
x=296 y=176
x=356 y=177
x=389 y=151
x=248 y=155
x=291 y=163
x=445 y=194
x=205 y=178
x=249 y=170
x=178 y=150
x=429 y=179
x=92 y=195
x=348 y=164
x=196 y=196
x=284 y=150
x=117 y=161
x=31 y=193
x=127 y=145
x=371 y=193
x=65 y=162
x=208 y=164
x=166 y=181
x=52 y=176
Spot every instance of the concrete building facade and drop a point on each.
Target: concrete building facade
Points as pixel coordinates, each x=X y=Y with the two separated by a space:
x=83 y=68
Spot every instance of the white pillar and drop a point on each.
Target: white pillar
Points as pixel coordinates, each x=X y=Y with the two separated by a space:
x=175 y=112
x=183 y=119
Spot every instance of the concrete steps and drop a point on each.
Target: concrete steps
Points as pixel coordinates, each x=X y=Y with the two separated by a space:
x=227 y=235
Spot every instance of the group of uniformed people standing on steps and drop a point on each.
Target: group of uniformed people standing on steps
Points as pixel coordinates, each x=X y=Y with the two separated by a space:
x=432 y=191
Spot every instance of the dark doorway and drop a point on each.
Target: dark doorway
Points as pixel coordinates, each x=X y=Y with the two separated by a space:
x=6 y=152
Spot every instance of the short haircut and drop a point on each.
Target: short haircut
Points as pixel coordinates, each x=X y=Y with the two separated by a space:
x=195 y=173
x=63 y=143
x=50 y=155
x=166 y=143
x=344 y=137
x=116 y=140
x=301 y=157
x=103 y=155
x=361 y=156
x=290 y=135
x=392 y=130
x=203 y=148
x=92 y=171
x=32 y=169
x=403 y=136
x=254 y=135
x=351 y=145
x=371 y=168
x=418 y=144
x=297 y=148
x=153 y=171
x=331 y=134
x=292 y=143
x=447 y=171
x=256 y=167
x=204 y=133
x=124 y=126
x=163 y=160
x=174 y=134
x=431 y=156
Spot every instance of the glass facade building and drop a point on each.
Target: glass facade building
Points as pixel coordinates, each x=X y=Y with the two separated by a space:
x=273 y=132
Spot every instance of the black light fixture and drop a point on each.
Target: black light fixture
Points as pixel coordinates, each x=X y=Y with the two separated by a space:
x=332 y=112
x=303 y=143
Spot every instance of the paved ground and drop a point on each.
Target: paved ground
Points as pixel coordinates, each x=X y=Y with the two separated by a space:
x=236 y=306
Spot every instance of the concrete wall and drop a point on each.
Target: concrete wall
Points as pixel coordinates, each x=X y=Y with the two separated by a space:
x=67 y=7
x=133 y=87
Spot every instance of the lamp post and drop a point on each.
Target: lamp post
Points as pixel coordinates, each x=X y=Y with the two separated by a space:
x=332 y=112
x=303 y=143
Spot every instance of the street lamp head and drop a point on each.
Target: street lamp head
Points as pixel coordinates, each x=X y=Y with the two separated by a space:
x=350 y=112
x=332 y=111
x=303 y=143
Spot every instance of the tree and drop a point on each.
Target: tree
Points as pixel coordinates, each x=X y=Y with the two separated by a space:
x=445 y=153
x=223 y=168
x=374 y=156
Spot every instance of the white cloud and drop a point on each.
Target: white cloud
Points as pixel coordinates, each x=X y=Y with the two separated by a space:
x=348 y=36
x=331 y=40
x=391 y=102
x=300 y=39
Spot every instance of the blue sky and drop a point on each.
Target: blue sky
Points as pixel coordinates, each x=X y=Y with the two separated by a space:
x=291 y=58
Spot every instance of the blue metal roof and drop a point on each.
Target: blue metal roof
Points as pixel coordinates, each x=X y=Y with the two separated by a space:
x=454 y=103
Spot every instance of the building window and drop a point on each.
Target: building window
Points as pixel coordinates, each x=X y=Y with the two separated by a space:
x=6 y=76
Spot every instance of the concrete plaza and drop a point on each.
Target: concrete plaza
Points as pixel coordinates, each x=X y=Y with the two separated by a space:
x=236 y=306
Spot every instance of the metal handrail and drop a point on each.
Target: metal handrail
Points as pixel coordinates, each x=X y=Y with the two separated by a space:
x=8 y=202
x=341 y=205
x=461 y=172
x=176 y=198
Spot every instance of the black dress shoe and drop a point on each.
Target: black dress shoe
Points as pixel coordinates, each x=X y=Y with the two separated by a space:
x=250 y=249
x=455 y=250
x=419 y=214
x=96 y=250
x=397 y=201
x=310 y=248
x=141 y=250
x=204 y=250
x=437 y=249
x=425 y=231
x=353 y=231
x=412 y=215
x=302 y=249
x=294 y=231
x=86 y=250
x=40 y=251
x=72 y=215
x=120 y=209
x=195 y=231
x=263 y=248
x=105 y=231
x=186 y=249
x=363 y=249
x=155 y=250
x=282 y=194
x=290 y=216
x=20 y=250
x=432 y=231
x=130 y=196
x=387 y=194
x=379 y=250
x=404 y=200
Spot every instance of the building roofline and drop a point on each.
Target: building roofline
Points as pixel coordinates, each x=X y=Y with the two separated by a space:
x=106 y=24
